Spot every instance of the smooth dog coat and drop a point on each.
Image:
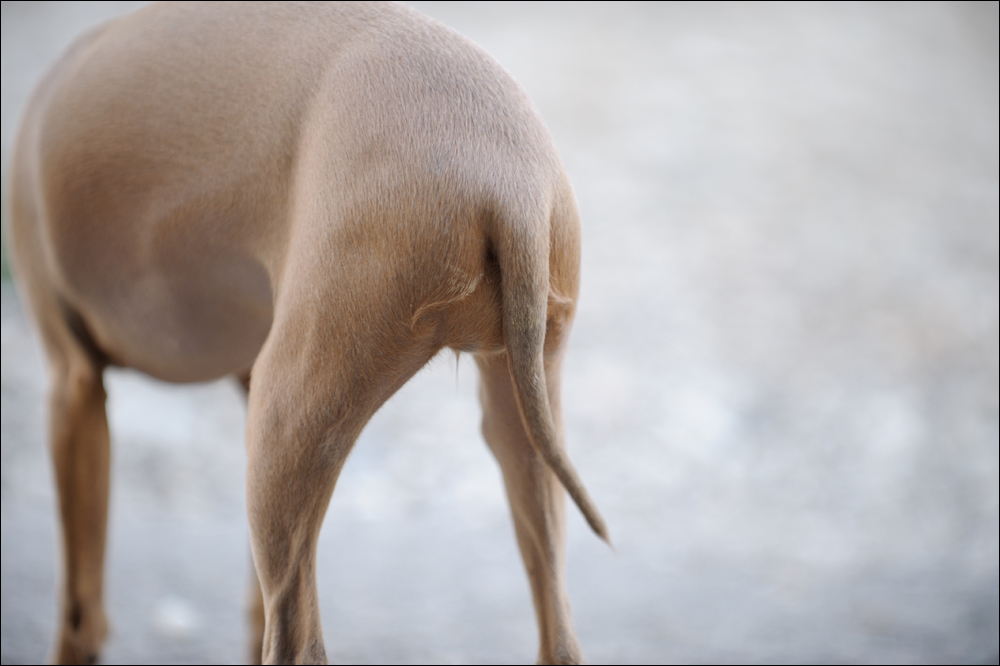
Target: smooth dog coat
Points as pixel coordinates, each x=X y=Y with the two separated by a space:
x=314 y=198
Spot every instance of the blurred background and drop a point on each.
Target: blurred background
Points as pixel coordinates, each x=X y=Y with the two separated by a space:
x=782 y=387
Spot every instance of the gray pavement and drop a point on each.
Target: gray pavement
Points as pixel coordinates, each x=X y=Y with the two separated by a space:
x=782 y=388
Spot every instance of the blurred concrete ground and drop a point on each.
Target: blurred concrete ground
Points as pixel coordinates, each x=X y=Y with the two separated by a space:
x=782 y=388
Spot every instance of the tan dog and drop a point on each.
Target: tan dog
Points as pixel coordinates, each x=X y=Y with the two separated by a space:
x=315 y=199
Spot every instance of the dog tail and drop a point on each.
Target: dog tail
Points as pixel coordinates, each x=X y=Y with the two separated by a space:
x=522 y=250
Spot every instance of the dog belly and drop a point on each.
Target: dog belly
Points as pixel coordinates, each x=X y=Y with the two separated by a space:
x=193 y=322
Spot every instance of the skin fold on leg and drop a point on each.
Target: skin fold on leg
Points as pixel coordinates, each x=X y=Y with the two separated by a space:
x=254 y=600
x=255 y=617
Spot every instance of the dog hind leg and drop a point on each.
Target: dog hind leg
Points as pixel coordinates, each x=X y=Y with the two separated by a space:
x=331 y=360
x=537 y=502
